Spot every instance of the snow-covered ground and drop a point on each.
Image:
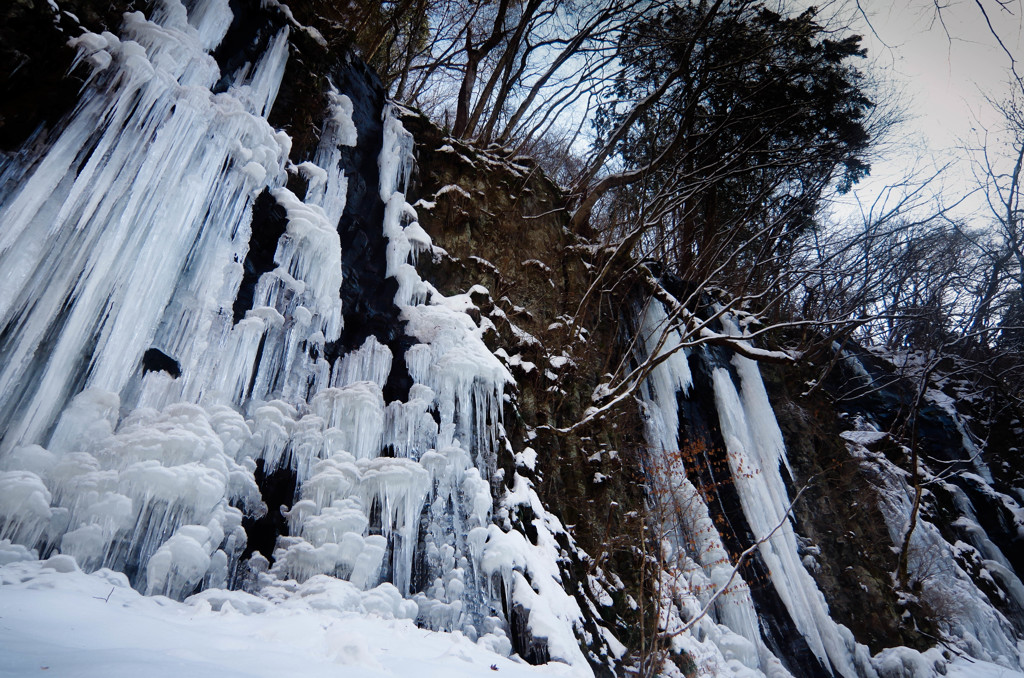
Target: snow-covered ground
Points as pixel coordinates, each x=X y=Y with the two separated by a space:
x=964 y=668
x=56 y=620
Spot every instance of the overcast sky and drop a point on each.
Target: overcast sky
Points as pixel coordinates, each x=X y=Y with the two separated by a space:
x=943 y=64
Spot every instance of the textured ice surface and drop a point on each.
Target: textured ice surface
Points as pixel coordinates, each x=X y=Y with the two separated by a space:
x=129 y=234
x=693 y=544
x=143 y=197
x=756 y=456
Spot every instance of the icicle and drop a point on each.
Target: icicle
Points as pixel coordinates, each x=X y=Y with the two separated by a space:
x=370 y=362
x=409 y=428
x=356 y=413
x=678 y=507
x=130 y=236
x=331 y=520
x=765 y=502
x=24 y=507
x=98 y=238
x=309 y=252
x=329 y=187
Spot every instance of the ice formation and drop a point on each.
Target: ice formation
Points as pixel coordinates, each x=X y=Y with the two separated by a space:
x=756 y=457
x=126 y=237
x=933 y=563
x=693 y=541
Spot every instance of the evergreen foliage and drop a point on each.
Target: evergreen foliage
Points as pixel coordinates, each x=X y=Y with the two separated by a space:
x=765 y=113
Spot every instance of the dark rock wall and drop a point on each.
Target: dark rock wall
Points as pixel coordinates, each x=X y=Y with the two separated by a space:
x=505 y=230
x=37 y=85
x=838 y=515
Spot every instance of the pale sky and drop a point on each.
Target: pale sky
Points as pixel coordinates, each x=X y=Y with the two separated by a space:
x=942 y=80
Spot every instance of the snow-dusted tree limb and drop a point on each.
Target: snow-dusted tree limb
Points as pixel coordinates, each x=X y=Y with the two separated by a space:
x=694 y=331
x=705 y=335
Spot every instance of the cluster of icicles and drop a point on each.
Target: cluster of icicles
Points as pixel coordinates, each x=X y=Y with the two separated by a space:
x=127 y=234
x=731 y=635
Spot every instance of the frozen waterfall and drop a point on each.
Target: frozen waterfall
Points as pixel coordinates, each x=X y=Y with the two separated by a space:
x=181 y=420
x=126 y=238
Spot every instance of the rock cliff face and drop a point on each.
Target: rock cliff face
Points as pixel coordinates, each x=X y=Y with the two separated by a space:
x=260 y=325
x=848 y=535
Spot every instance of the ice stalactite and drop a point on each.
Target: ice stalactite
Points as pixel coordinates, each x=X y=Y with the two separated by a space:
x=755 y=454
x=455 y=376
x=123 y=236
x=756 y=457
x=114 y=221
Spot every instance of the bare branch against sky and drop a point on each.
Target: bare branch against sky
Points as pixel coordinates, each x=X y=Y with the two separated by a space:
x=950 y=61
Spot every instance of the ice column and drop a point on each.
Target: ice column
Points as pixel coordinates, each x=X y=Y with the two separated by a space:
x=457 y=377
x=125 y=235
x=755 y=453
x=144 y=196
x=691 y=538
x=361 y=515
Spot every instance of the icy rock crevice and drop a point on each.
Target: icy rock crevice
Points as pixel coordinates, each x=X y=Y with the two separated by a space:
x=957 y=575
x=698 y=563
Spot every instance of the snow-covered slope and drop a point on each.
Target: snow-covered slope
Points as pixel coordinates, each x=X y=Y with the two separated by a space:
x=59 y=621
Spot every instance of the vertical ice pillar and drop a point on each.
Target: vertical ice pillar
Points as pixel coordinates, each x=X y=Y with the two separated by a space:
x=144 y=197
x=701 y=565
x=755 y=453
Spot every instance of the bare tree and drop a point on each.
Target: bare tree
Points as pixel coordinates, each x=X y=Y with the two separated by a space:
x=515 y=70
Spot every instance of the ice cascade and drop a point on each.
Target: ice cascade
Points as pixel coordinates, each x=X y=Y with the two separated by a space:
x=736 y=634
x=139 y=408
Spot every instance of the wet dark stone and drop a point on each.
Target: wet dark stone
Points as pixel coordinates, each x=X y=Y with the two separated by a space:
x=155 y=360
x=699 y=424
x=246 y=39
x=37 y=85
x=367 y=294
x=532 y=650
x=278 y=490
x=420 y=575
x=999 y=527
x=889 y=402
x=995 y=519
x=269 y=221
